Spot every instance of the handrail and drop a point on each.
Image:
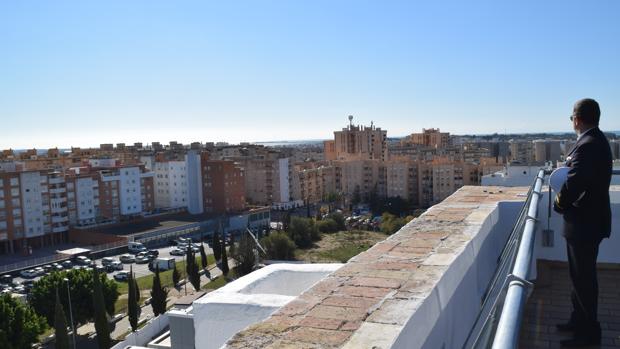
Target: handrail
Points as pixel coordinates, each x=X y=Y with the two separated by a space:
x=509 y=326
x=482 y=330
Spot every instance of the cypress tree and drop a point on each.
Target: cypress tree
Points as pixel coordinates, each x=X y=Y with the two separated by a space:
x=231 y=247
x=158 y=295
x=191 y=268
x=132 y=302
x=225 y=268
x=101 y=319
x=60 y=325
x=216 y=246
x=203 y=257
x=176 y=276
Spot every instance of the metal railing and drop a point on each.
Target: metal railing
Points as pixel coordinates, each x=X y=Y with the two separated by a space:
x=521 y=236
x=509 y=326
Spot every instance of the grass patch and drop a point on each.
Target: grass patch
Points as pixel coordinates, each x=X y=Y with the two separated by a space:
x=146 y=282
x=339 y=247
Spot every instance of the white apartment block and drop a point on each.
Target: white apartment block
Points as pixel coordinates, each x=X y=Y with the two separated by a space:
x=130 y=183
x=83 y=199
x=171 y=185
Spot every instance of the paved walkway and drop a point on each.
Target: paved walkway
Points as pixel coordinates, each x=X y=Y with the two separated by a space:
x=550 y=304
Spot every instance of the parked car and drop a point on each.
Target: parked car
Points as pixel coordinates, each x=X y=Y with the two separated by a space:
x=6 y=279
x=28 y=274
x=83 y=260
x=127 y=258
x=121 y=276
x=39 y=271
x=117 y=265
x=67 y=264
x=153 y=253
x=143 y=259
x=19 y=289
x=57 y=267
x=48 y=268
x=28 y=283
x=175 y=251
x=107 y=260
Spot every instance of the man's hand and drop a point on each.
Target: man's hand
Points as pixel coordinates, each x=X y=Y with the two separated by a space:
x=556 y=205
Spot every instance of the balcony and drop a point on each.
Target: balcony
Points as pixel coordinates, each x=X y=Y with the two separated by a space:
x=442 y=282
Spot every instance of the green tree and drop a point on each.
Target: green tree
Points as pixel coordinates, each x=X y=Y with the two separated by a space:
x=278 y=246
x=303 y=231
x=159 y=294
x=391 y=224
x=203 y=257
x=245 y=255
x=224 y=266
x=101 y=319
x=339 y=219
x=231 y=246
x=132 y=302
x=216 y=245
x=327 y=226
x=60 y=325
x=357 y=196
x=176 y=276
x=191 y=268
x=19 y=324
x=81 y=288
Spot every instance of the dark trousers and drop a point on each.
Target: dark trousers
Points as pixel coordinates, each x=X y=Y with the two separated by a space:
x=584 y=296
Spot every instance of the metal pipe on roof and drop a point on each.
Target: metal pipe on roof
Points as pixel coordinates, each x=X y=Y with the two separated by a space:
x=509 y=326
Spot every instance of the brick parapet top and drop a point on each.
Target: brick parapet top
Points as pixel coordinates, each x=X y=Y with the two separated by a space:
x=380 y=288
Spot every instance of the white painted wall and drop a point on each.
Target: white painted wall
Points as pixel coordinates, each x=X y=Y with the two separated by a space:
x=85 y=200
x=283 y=177
x=608 y=250
x=129 y=190
x=443 y=319
x=170 y=184
x=195 y=204
x=32 y=204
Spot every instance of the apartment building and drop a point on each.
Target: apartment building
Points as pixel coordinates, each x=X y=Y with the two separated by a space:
x=360 y=178
x=547 y=150
x=223 y=187
x=402 y=179
x=522 y=152
x=171 y=188
x=430 y=137
x=82 y=197
x=33 y=209
x=313 y=182
x=357 y=142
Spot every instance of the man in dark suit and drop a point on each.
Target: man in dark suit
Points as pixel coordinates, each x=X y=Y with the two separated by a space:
x=584 y=203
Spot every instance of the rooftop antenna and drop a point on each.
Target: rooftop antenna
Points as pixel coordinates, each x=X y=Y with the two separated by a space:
x=351 y=120
x=371 y=124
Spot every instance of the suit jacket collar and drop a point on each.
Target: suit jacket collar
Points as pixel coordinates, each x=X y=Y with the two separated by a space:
x=581 y=138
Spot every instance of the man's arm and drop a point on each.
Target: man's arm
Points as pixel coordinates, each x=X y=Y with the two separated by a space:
x=579 y=178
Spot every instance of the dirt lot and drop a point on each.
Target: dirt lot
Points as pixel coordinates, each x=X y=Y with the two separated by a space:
x=339 y=247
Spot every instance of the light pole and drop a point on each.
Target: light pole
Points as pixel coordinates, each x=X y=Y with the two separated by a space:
x=70 y=311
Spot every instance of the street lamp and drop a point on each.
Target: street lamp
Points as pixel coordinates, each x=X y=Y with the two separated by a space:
x=70 y=311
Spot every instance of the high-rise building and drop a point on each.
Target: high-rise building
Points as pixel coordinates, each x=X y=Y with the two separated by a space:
x=171 y=184
x=223 y=186
x=361 y=143
x=33 y=209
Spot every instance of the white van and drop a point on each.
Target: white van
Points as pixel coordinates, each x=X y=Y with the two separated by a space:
x=136 y=247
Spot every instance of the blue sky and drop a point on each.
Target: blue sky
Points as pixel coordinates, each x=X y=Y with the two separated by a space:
x=86 y=72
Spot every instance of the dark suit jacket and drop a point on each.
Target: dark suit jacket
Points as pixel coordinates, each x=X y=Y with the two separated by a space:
x=584 y=198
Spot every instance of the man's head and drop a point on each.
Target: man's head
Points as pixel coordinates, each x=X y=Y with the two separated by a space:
x=586 y=114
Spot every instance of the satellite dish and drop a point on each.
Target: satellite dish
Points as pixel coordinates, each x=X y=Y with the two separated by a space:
x=558 y=178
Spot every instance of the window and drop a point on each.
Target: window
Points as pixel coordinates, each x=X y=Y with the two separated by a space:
x=14 y=182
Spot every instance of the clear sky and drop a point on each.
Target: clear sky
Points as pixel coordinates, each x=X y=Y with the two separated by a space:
x=87 y=72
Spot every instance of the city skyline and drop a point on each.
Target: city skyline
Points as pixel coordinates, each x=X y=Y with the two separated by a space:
x=88 y=73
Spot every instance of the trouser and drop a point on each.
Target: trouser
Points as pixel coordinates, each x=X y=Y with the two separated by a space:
x=584 y=296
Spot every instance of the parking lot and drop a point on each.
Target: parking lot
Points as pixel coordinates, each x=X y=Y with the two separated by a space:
x=138 y=269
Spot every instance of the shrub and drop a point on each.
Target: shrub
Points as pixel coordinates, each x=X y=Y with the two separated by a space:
x=303 y=231
x=278 y=246
x=327 y=226
x=339 y=219
x=391 y=224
